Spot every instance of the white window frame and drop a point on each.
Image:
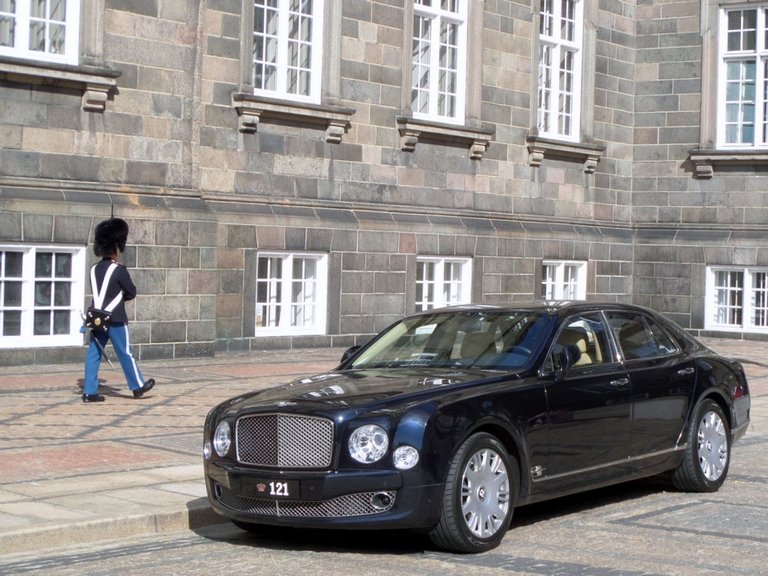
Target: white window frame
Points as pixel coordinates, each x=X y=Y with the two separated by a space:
x=736 y=308
x=428 y=101
x=281 y=42
x=28 y=307
x=23 y=21
x=450 y=284
x=564 y=280
x=552 y=81
x=733 y=131
x=280 y=295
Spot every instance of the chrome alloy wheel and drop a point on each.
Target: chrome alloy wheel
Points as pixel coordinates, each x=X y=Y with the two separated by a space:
x=712 y=445
x=485 y=493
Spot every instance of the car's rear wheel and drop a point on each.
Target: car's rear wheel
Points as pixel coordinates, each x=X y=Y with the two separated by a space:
x=708 y=451
x=479 y=496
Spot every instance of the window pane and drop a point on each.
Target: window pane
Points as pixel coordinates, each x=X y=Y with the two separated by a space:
x=567 y=23
x=11 y=323
x=62 y=294
x=12 y=293
x=42 y=325
x=44 y=265
x=546 y=18
x=42 y=294
x=61 y=322
x=63 y=266
x=13 y=264
x=7 y=23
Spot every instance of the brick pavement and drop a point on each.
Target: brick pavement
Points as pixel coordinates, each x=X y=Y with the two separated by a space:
x=74 y=472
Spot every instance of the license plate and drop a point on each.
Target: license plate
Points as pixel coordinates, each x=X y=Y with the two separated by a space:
x=271 y=489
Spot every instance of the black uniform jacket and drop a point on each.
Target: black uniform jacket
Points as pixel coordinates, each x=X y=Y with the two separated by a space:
x=120 y=280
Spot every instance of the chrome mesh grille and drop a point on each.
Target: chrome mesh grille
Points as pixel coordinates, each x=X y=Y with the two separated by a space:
x=358 y=504
x=285 y=440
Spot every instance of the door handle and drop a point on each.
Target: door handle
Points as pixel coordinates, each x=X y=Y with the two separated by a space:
x=619 y=383
x=685 y=371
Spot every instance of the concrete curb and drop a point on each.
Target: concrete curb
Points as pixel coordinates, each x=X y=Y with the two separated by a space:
x=197 y=515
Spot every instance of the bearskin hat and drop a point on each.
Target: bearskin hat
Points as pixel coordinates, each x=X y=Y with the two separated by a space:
x=110 y=236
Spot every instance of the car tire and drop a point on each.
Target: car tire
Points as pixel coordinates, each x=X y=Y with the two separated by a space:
x=707 y=452
x=479 y=497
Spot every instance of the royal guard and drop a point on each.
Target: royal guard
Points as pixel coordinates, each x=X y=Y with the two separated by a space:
x=112 y=287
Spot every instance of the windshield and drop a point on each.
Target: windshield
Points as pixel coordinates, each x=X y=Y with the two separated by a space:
x=483 y=339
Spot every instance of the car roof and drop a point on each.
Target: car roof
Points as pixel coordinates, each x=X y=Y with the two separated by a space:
x=553 y=307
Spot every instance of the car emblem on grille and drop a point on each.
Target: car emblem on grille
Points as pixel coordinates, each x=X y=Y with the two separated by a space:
x=284 y=404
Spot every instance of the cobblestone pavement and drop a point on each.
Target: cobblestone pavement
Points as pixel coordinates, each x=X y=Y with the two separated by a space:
x=75 y=473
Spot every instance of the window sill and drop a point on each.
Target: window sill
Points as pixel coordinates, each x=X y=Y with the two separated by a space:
x=251 y=110
x=704 y=160
x=96 y=83
x=413 y=131
x=540 y=148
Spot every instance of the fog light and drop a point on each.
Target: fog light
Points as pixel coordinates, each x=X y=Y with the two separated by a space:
x=405 y=457
x=381 y=501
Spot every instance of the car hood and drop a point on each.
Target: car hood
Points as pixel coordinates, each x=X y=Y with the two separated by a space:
x=350 y=389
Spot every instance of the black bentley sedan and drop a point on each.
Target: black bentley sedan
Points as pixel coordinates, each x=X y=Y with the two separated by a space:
x=450 y=418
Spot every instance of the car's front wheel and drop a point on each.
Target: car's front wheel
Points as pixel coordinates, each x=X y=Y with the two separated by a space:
x=479 y=496
x=707 y=453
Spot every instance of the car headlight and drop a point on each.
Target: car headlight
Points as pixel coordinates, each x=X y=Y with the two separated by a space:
x=405 y=457
x=222 y=438
x=368 y=443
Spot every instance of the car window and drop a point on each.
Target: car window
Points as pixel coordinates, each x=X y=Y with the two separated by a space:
x=581 y=341
x=640 y=336
x=493 y=340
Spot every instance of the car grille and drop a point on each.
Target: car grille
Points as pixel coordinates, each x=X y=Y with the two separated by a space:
x=358 y=504
x=285 y=440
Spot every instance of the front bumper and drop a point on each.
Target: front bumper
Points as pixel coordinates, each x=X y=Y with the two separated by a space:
x=376 y=499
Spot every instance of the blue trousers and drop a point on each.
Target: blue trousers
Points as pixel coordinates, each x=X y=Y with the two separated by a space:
x=118 y=334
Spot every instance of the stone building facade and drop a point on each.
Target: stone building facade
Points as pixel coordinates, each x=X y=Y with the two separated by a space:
x=264 y=218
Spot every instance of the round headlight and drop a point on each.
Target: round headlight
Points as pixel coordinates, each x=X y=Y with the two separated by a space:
x=405 y=457
x=222 y=438
x=368 y=443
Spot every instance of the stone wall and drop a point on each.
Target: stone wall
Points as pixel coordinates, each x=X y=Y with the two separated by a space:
x=175 y=151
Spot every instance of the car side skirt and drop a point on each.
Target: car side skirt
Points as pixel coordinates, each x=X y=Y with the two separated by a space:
x=632 y=468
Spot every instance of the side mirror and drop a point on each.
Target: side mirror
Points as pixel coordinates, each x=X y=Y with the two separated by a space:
x=569 y=355
x=348 y=353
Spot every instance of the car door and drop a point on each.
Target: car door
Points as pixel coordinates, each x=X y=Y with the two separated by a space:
x=662 y=377
x=589 y=402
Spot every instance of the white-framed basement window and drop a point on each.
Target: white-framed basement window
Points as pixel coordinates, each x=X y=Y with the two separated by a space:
x=291 y=293
x=439 y=60
x=45 y=30
x=561 y=26
x=42 y=292
x=288 y=49
x=442 y=282
x=737 y=299
x=564 y=280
